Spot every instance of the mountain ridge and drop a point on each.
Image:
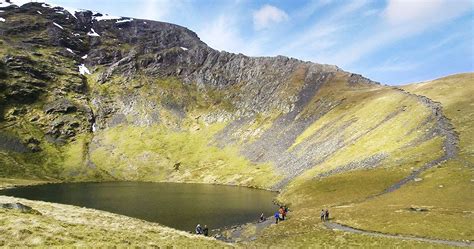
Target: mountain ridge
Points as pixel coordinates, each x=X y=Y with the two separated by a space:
x=124 y=55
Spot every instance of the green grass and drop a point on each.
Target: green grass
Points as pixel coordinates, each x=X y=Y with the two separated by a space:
x=455 y=94
x=347 y=187
x=151 y=153
x=447 y=194
x=371 y=121
x=69 y=226
x=304 y=230
x=445 y=191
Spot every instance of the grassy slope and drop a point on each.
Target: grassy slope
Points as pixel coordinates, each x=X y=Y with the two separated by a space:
x=455 y=94
x=446 y=191
x=304 y=230
x=179 y=149
x=158 y=154
x=367 y=115
x=157 y=149
x=48 y=162
x=64 y=225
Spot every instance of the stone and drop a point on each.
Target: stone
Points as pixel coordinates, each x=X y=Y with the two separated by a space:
x=176 y=166
x=34 y=118
x=33 y=144
x=16 y=111
x=20 y=207
x=418 y=209
x=60 y=106
x=10 y=142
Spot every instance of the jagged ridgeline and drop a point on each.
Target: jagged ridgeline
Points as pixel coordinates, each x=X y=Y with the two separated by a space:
x=85 y=96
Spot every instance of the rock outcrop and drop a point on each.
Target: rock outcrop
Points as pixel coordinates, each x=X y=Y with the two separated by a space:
x=20 y=207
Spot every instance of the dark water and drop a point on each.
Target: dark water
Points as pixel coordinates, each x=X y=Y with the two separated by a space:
x=181 y=206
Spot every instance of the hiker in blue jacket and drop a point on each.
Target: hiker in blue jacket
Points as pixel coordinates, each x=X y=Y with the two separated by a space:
x=198 y=229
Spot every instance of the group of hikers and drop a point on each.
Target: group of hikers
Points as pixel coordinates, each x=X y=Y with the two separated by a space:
x=324 y=215
x=280 y=214
x=200 y=230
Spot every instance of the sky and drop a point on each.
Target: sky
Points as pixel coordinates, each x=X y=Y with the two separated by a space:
x=391 y=41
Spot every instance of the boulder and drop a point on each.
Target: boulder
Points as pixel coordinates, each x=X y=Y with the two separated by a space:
x=20 y=207
x=60 y=106
x=10 y=142
x=418 y=209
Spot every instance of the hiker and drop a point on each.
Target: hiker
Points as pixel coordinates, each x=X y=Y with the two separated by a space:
x=277 y=217
x=198 y=229
x=285 y=210
x=323 y=215
x=205 y=231
x=281 y=212
x=326 y=215
x=262 y=218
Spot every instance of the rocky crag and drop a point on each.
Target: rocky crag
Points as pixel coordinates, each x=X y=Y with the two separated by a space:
x=86 y=96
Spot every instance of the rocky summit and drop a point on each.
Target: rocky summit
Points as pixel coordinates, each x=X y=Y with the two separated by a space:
x=86 y=96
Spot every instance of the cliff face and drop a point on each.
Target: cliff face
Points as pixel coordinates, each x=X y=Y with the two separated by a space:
x=86 y=96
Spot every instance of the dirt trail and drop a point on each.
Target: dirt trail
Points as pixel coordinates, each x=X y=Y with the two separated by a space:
x=443 y=127
x=337 y=226
x=450 y=149
x=241 y=233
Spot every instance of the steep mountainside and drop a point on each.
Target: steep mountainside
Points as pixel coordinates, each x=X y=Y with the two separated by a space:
x=435 y=203
x=86 y=96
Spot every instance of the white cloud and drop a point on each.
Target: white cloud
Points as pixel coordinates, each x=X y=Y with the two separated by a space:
x=420 y=12
x=267 y=16
x=447 y=40
x=396 y=65
x=421 y=16
x=310 y=8
x=370 y=12
x=323 y=34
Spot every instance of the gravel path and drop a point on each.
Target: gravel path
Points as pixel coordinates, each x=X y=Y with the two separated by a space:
x=451 y=141
x=337 y=226
x=236 y=234
x=443 y=127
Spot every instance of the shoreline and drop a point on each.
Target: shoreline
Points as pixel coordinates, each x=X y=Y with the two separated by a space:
x=41 y=182
x=16 y=183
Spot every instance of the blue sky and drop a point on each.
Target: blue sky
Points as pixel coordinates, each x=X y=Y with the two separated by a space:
x=390 y=41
